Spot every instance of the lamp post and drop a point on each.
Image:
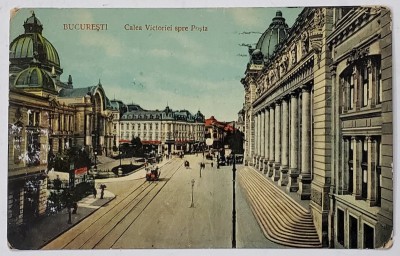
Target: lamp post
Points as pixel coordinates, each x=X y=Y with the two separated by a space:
x=192 y=204
x=95 y=160
x=120 y=161
x=94 y=143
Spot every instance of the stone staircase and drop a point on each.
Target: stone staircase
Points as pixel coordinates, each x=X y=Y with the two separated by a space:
x=282 y=219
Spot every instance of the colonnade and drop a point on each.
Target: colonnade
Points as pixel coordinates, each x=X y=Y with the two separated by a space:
x=283 y=141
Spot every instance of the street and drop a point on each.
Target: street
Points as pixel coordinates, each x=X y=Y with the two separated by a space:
x=159 y=214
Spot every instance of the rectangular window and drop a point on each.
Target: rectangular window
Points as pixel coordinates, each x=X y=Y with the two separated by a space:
x=351 y=96
x=350 y=176
x=353 y=232
x=31 y=118
x=379 y=82
x=33 y=148
x=65 y=123
x=378 y=171
x=340 y=227
x=368 y=237
x=365 y=86
x=37 y=118
x=17 y=148
x=59 y=145
x=343 y=103
x=364 y=169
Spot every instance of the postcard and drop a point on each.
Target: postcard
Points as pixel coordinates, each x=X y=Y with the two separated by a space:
x=200 y=128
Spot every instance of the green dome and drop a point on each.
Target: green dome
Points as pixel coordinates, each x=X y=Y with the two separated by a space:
x=275 y=33
x=25 y=46
x=35 y=77
x=33 y=45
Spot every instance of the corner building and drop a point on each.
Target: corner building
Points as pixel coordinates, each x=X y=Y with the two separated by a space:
x=46 y=117
x=361 y=213
x=166 y=130
x=318 y=119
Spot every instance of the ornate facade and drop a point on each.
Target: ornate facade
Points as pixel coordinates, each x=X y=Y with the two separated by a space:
x=46 y=117
x=362 y=179
x=317 y=120
x=169 y=130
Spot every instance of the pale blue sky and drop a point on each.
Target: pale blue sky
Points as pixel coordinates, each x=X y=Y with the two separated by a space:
x=188 y=70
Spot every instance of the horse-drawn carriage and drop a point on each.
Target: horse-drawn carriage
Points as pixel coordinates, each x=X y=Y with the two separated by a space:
x=152 y=173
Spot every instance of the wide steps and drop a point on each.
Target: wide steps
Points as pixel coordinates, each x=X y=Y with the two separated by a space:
x=281 y=218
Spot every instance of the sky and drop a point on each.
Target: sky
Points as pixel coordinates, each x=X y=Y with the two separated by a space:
x=198 y=69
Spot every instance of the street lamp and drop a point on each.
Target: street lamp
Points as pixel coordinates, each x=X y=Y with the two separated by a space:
x=234 y=191
x=120 y=159
x=192 y=204
x=94 y=144
x=95 y=160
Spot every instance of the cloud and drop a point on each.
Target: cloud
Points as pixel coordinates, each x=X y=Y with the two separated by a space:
x=103 y=39
x=110 y=45
x=246 y=17
x=160 y=53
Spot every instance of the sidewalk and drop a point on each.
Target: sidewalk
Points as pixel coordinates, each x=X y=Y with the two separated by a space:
x=47 y=228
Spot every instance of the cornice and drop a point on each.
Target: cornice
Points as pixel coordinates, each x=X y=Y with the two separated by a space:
x=350 y=23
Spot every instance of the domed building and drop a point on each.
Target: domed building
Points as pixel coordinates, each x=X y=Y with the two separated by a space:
x=317 y=123
x=271 y=37
x=265 y=47
x=33 y=45
x=46 y=118
x=35 y=80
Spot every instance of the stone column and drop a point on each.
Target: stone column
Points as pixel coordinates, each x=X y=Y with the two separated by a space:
x=283 y=180
x=304 y=179
x=292 y=185
x=258 y=139
x=277 y=161
x=271 y=140
x=262 y=141
x=255 y=140
x=266 y=132
x=372 y=174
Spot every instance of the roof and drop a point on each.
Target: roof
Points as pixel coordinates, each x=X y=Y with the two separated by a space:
x=34 y=77
x=275 y=33
x=77 y=92
x=214 y=122
x=135 y=111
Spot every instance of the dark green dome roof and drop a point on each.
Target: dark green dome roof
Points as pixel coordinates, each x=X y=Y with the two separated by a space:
x=275 y=33
x=35 y=77
x=32 y=44
x=26 y=46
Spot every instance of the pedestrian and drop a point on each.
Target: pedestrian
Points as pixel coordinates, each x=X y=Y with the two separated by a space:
x=94 y=192
x=75 y=206
x=212 y=164
x=102 y=187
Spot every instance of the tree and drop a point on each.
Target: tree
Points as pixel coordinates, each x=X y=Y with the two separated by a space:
x=137 y=147
x=73 y=155
x=235 y=141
